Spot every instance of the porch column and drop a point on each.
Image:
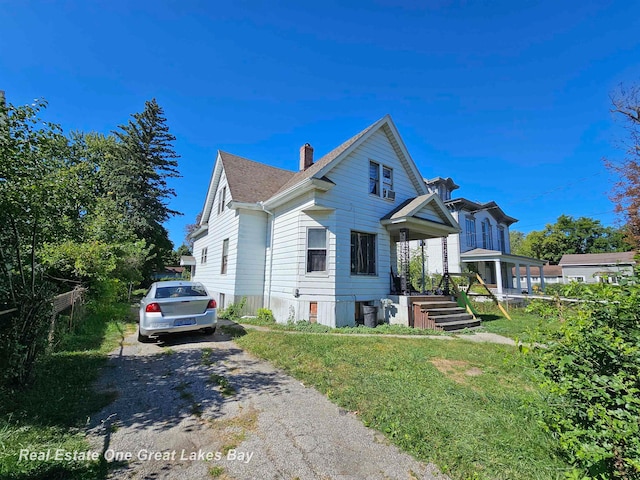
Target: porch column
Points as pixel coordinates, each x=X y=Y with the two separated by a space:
x=498 y=277
x=542 y=278
x=529 y=279
x=404 y=261
x=518 y=280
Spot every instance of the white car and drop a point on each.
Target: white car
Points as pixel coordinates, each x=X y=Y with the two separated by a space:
x=176 y=306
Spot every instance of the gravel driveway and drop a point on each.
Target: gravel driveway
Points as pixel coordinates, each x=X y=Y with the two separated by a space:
x=200 y=407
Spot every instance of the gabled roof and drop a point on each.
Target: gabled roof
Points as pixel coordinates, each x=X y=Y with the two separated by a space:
x=412 y=206
x=250 y=181
x=320 y=168
x=474 y=207
x=612 y=258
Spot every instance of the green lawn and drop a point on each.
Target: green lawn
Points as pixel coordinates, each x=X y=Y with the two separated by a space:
x=45 y=415
x=469 y=408
x=522 y=326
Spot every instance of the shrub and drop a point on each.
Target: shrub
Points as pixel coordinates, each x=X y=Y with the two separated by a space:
x=234 y=311
x=264 y=315
x=592 y=377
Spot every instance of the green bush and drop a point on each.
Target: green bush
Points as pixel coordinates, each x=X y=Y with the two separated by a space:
x=264 y=315
x=234 y=311
x=592 y=377
x=542 y=308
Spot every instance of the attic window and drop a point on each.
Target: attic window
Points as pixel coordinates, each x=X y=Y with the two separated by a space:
x=222 y=198
x=379 y=172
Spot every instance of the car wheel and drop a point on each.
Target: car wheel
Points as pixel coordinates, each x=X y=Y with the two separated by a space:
x=143 y=338
x=209 y=330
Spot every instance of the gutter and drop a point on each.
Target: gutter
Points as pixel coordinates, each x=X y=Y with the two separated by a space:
x=273 y=224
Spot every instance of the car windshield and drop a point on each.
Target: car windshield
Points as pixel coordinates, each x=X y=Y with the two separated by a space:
x=181 y=291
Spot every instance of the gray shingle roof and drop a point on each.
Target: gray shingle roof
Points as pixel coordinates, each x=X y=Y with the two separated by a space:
x=611 y=258
x=324 y=161
x=549 y=271
x=250 y=181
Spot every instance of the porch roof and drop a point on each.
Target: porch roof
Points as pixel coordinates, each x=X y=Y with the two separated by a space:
x=484 y=255
x=424 y=216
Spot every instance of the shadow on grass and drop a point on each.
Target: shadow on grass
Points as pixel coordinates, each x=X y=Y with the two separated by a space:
x=488 y=317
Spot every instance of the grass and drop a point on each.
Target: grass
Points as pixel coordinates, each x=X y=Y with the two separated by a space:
x=468 y=408
x=305 y=326
x=48 y=413
x=523 y=326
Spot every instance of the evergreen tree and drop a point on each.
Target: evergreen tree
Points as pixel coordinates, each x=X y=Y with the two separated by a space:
x=136 y=177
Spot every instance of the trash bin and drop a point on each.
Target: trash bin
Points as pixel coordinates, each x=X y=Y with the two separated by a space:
x=370 y=316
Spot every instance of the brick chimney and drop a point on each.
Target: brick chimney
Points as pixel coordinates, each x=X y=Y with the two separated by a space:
x=306 y=156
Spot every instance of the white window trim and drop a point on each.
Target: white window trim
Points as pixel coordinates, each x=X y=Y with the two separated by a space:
x=325 y=272
x=203 y=255
x=381 y=182
x=375 y=254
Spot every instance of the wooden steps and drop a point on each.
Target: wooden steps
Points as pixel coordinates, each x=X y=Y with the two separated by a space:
x=442 y=313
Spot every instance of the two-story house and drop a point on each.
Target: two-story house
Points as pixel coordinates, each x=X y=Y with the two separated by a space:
x=482 y=245
x=319 y=243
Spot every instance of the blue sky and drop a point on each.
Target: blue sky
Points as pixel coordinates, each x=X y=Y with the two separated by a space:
x=509 y=98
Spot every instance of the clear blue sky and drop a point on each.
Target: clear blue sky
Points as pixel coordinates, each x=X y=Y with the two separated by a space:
x=510 y=98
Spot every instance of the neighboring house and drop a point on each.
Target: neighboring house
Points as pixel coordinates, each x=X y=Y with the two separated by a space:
x=550 y=274
x=319 y=243
x=597 y=267
x=482 y=245
x=168 y=272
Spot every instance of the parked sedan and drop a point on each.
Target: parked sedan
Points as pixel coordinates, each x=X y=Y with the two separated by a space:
x=176 y=306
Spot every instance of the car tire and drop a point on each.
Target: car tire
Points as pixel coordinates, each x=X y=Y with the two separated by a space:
x=143 y=338
x=209 y=330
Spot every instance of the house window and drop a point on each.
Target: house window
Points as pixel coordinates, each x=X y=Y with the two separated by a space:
x=374 y=178
x=579 y=279
x=470 y=226
x=225 y=255
x=316 y=250
x=387 y=181
x=377 y=172
x=203 y=256
x=501 y=240
x=363 y=253
x=221 y=301
x=487 y=235
x=221 y=200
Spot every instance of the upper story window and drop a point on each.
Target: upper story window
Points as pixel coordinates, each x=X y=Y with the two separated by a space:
x=316 y=250
x=381 y=180
x=225 y=255
x=222 y=199
x=363 y=253
x=203 y=256
x=502 y=245
x=470 y=228
x=487 y=235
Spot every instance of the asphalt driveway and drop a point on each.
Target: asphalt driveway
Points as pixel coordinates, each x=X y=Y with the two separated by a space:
x=200 y=407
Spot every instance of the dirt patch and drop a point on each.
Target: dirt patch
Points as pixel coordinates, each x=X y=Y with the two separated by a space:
x=457 y=370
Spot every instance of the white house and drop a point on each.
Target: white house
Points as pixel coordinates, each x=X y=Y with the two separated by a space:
x=597 y=267
x=482 y=245
x=319 y=243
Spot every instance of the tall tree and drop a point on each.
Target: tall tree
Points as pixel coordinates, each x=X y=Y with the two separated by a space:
x=570 y=235
x=136 y=174
x=626 y=194
x=515 y=240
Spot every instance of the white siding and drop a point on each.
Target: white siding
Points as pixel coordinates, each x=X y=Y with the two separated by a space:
x=250 y=264
x=221 y=226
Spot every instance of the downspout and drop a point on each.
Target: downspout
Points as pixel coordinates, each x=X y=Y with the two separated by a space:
x=273 y=221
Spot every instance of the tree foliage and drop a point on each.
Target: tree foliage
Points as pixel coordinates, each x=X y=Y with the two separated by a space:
x=570 y=235
x=592 y=378
x=626 y=194
x=82 y=207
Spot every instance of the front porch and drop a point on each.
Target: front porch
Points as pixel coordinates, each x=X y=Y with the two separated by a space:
x=495 y=268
